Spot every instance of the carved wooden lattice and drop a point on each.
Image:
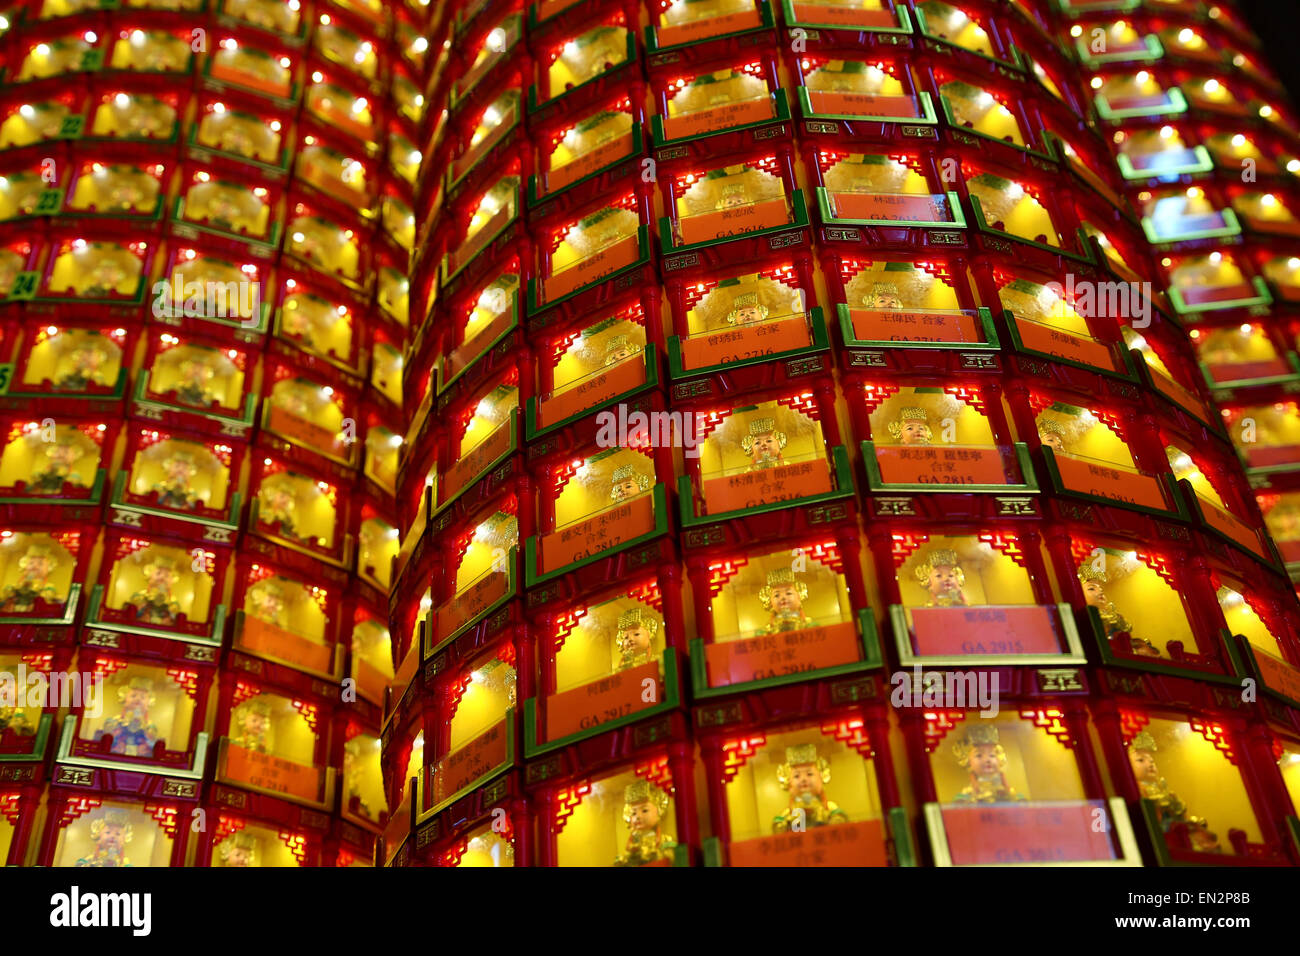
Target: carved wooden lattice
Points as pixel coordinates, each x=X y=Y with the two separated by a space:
x=938 y=724
x=1050 y=720
x=852 y=732
x=658 y=772
x=1215 y=734
x=736 y=753
x=566 y=801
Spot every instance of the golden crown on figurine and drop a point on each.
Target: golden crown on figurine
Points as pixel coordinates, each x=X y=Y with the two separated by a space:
x=1051 y=426
x=939 y=558
x=1144 y=741
x=625 y=473
x=112 y=818
x=746 y=300
x=258 y=705
x=779 y=578
x=1087 y=572
x=759 y=427
x=910 y=414
x=978 y=735
x=240 y=841
x=798 y=756
x=643 y=791
x=637 y=617
x=136 y=683
x=879 y=289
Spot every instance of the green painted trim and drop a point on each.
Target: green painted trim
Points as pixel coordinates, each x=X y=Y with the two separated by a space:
x=1074 y=655
x=579 y=186
x=1047 y=154
x=982 y=225
x=983 y=314
x=533 y=432
x=780 y=109
x=1148 y=665
x=766 y=22
x=69 y=611
x=1231 y=227
x=39 y=741
x=511 y=593
x=1153 y=50
x=872 y=658
x=1117 y=350
x=672 y=700
x=513 y=448
x=534 y=577
x=875 y=482
x=441 y=361
x=230 y=523
x=216 y=628
x=643 y=258
x=928 y=116
x=1015 y=63
x=1177 y=104
x=534 y=104
x=95 y=497
x=1166 y=481
x=65 y=757
x=840 y=470
x=421 y=816
x=790 y=20
x=954 y=204
x=671 y=247
x=899 y=829
x=1204 y=163
x=820 y=343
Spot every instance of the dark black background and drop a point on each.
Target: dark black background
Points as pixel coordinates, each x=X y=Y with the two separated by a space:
x=1277 y=24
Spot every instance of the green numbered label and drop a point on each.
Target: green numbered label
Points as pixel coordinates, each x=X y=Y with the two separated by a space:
x=71 y=126
x=24 y=287
x=51 y=202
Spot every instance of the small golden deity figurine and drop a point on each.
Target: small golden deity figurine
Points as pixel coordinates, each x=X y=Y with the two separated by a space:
x=911 y=427
x=173 y=489
x=746 y=310
x=884 y=296
x=804 y=776
x=942 y=576
x=110 y=834
x=62 y=457
x=619 y=348
x=763 y=444
x=980 y=754
x=132 y=732
x=1094 y=593
x=88 y=360
x=644 y=805
x=195 y=385
x=254 y=724
x=627 y=483
x=154 y=604
x=239 y=850
x=636 y=634
x=733 y=195
x=34 y=569
x=15 y=719
x=1052 y=434
x=782 y=597
x=105 y=276
x=266 y=602
x=278 y=505
x=1169 y=809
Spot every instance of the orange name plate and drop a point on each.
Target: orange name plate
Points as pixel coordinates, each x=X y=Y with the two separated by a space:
x=264 y=638
x=272 y=773
x=615 y=380
x=598 y=158
x=469 y=604
x=465 y=163
x=846 y=16
x=891 y=207
x=462 y=767
x=1233 y=527
x=304 y=432
x=719 y=117
x=863 y=104
x=871 y=325
x=471 y=466
x=1087 y=478
x=985 y=630
x=1278 y=674
x=371 y=682
x=602 y=701
x=937 y=465
x=232 y=74
x=474 y=246
x=708 y=27
x=836 y=844
x=767 y=486
x=733 y=222
x=468 y=351
x=600 y=532
x=746 y=342
x=1026 y=833
x=594 y=267
x=777 y=655
x=1179 y=395
x=549 y=8
x=1065 y=345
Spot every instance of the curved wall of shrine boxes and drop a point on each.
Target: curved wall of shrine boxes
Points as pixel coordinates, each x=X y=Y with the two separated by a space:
x=695 y=432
